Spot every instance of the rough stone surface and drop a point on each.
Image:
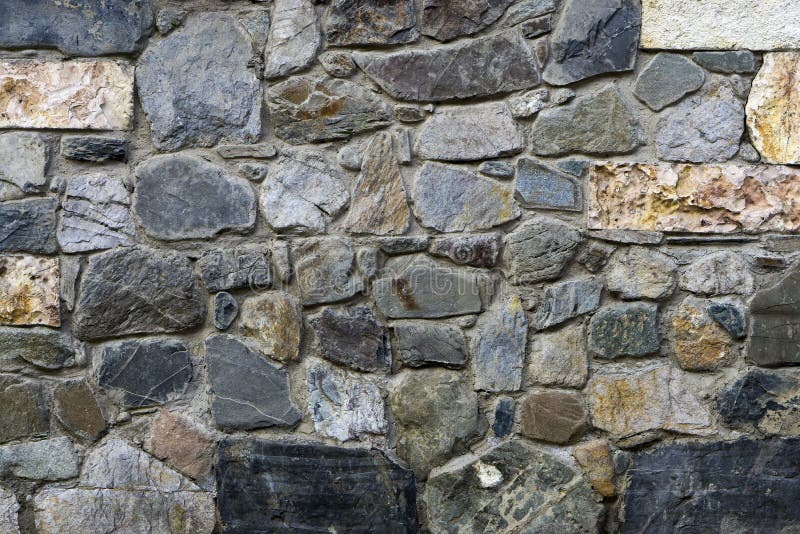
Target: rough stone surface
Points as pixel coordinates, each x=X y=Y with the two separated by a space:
x=136 y=290
x=75 y=407
x=594 y=255
x=29 y=291
x=503 y=417
x=360 y=22
x=294 y=38
x=49 y=459
x=182 y=443
x=765 y=401
x=539 y=249
x=274 y=320
x=640 y=272
x=553 y=416
x=499 y=353
x=730 y=316
x=667 y=79
x=594 y=459
x=94 y=148
x=325 y=271
x=539 y=186
x=445 y=20
x=496 y=169
x=421 y=343
x=353 y=338
x=727 y=62
x=628 y=329
x=720 y=273
x=236 y=268
x=8 y=511
x=774 y=316
x=481 y=250
x=41 y=347
x=337 y=64
x=28 y=226
x=566 y=300
x=25 y=414
x=700 y=344
x=23 y=162
x=559 y=358
x=226 y=309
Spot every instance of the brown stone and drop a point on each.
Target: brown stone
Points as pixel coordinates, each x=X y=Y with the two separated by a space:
x=29 y=291
x=594 y=458
x=76 y=408
x=182 y=443
x=700 y=343
x=275 y=321
x=23 y=414
x=553 y=416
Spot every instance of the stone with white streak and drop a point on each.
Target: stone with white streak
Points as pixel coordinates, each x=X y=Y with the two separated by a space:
x=23 y=162
x=294 y=38
x=29 y=291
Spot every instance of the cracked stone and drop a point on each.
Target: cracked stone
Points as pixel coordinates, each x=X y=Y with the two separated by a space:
x=420 y=343
x=294 y=38
x=353 y=338
x=236 y=268
x=499 y=354
x=29 y=291
x=275 y=321
x=8 y=512
x=94 y=148
x=565 y=300
x=773 y=333
x=763 y=401
x=325 y=270
x=337 y=64
x=28 y=226
x=539 y=250
x=361 y=22
x=445 y=20
x=23 y=162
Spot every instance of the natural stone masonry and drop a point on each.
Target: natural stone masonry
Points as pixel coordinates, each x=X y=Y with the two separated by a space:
x=28 y=226
x=23 y=162
x=500 y=349
x=762 y=400
x=294 y=38
x=349 y=22
x=29 y=291
x=773 y=334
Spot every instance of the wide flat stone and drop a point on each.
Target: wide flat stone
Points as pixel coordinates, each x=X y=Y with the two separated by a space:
x=49 y=459
x=718 y=273
x=23 y=162
x=625 y=329
x=29 y=291
x=565 y=300
x=294 y=38
x=499 y=354
x=421 y=343
x=325 y=270
x=641 y=272
x=365 y=22
x=775 y=318
x=236 y=268
x=445 y=20
x=481 y=250
x=558 y=358
x=667 y=79
x=553 y=416
x=96 y=95
x=539 y=186
x=28 y=226
x=353 y=338
x=539 y=250
x=25 y=414
x=274 y=320
x=42 y=347
x=727 y=62
x=94 y=148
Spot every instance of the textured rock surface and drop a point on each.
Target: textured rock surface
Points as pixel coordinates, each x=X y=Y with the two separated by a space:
x=640 y=272
x=236 y=268
x=499 y=353
x=700 y=344
x=226 y=309
x=667 y=79
x=775 y=311
x=75 y=407
x=25 y=414
x=420 y=343
x=481 y=250
x=731 y=316
x=325 y=271
x=353 y=338
x=594 y=459
x=94 y=148
x=553 y=416
x=294 y=38
x=539 y=249
x=274 y=320
x=539 y=186
x=8 y=511
x=728 y=62
x=559 y=358
x=628 y=329
x=350 y=22
x=49 y=459
x=762 y=400
x=28 y=226
x=23 y=162
x=720 y=273
x=182 y=443
x=444 y=20
x=566 y=300
x=42 y=347
x=29 y=291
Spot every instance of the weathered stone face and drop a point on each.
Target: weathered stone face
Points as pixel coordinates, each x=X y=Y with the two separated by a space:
x=29 y=291
x=237 y=268
x=559 y=358
x=566 y=300
x=75 y=406
x=700 y=344
x=421 y=343
x=353 y=338
x=774 y=336
x=226 y=309
x=628 y=329
x=762 y=400
x=94 y=148
x=275 y=321
x=8 y=511
x=728 y=62
x=481 y=250
x=553 y=416
x=182 y=443
x=41 y=347
x=721 y=273
x=352 y=22
x=325 y=271
x=444 y=20
x=28 y=226
x=25 y=414
x=49 y=459
x=499 y=353
x=539 y=249
x=23 y=162
x=594 y=458
x=667 y=79
x=639 y=272
x=539 y=186
x=294 y=38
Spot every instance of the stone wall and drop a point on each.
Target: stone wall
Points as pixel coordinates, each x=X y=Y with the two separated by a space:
x=396 y=266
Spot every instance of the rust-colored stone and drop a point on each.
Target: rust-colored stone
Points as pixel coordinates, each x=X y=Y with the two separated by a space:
x=76 y=408
x=594 y=458
x=553 y=416
x=700 y=344
x=182 y=443
x=275 y=321
x=29 y=291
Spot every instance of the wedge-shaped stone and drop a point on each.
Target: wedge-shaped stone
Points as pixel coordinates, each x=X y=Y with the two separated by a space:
x=294 y=38
x=352 y=22
x=96 y=95
x=29 y=291
x=28 y=226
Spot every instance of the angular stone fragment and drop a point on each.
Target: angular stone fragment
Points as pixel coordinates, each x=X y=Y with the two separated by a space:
x=403 y=245
x=379 y=205
x=408 y=113
x=624 y=329
x=452 y=199
x=28 y=226
x=594 y=255
x=536 y=27
x=240 y=400
x=94 y=148
x=96 y=95
x=503 y=417
x=539 y=186
x=594 y=458
x=481 y=250
x=421 y=343
x=539 y=249
x=444 y=20
x=598 y=123
x=294 y=38
x=337 y=64
x=23 y=162
x=457 y=71
x=700 y=344
x=566 y=300
x=225 y=310
x=325 y=271
x=137 y=290
x=640 y=272
x=236 y=268
x=553 y=416
x=361 y=22
x=49 y=459
x=593 y=38
x=667 y=79
x=82 y=28
x=499 y=353
x=313 y=110
x=496 y=169
x=763 y=401
x=8 y=512
x=24 y=414
x=559 y=358
x=183 y=443
x=353 y=338
x=257 y=151
x=684 y=198
x=29 y=291
x=727 y=62
x=536 y=492
x=436 y=413
x=42 y=347
x=185 y=197
x=418 y=287
x=730 y=316
x=775 y=313
x=275 y=321
x=720 y=273
x=75 y=407
x=524 y=10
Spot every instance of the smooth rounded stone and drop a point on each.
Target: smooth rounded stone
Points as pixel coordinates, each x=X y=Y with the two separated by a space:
x=481 y=250
x=436 y=413
x=182 y=443
x=499 y=347
x=539 y=250
x=730 y=316
x=559 y=358
x=137 y=290
x=706 y=127
x=236 y=268
x=344 y=406
x=23 y=162
x=8 y=512
x=762 y=401
x=455 y=71
x=25 y=412
x=445 y=20
x=94 y=148
x=408 y=113
x=169 y=19
x=237 y=375
x=452 y=199
x=774 y=318
x=313 y=110
x=324 y=270
x=538 y=186
x=667 y=79
x=699 y=343
x=598 y=123
x=49 y=459
x=370 y=22
x=641 y=272
x=719 y=273
x=275 y=321
x=593 y=38
x=29 y=226
x=268 y=485
x=337 y=64
x=225 y=310
x=194 y=96
x=421 y=343
x=294 y=38
x=771 y=106
x=144 y=372
x=565 y=300
x=354 y=338
x=496 y=169
x=503 y=423
x=594 y=459
x=185 y=197
x=553 y=416
x=75 y=407
x=477 y=132
x=29 y=288
x=535 y=492
x=41 y=347
x=727 y=62
x=594 y=255
x=624 y=329
x=255 y=172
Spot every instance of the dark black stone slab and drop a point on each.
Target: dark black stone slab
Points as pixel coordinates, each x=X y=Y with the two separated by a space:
x=764 y=400
x=29 y=226
x=95 y=148
x=353 y=338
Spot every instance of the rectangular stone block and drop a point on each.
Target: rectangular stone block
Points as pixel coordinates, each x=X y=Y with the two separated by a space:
x=95 y=95
x=720 y=24
x=694 y=198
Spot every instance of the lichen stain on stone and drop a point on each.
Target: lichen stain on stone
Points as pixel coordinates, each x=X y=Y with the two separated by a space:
x=29 y=291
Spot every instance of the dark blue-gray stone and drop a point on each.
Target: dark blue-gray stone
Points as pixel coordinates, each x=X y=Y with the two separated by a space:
x=625 y=329
x=421 y=343
x=667 y=79
x=496 y=169
x=539 y=186
x=761 y=394
x=29 y=226
x=775 y=323
x=730 y=317
x=353 y=338
x=225 y=310
x=727 y=62
x=236 y=268
x=575 y=167
x=95 y=148
x=445 y=20
x=503 y=417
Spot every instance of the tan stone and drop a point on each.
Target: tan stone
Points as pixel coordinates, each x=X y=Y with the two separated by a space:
x=275 y=321
x=182 y=443
x=773 y=107
x=29 y=291
x=594 y=458
x=687 y=198
x=553 y=416
x=66 y=94
x=700 y=344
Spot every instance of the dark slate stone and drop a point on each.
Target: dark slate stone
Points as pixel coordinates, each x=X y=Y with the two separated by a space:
x=137 y=290
x=503 y=417
x=353 y=338
x=43 y=347
x=624 y=329
x=237 y=268
x=24 y=412
x=727 y=62
x=539 y=186
x=474 y=68
x=667 y=79
x=144 y=372
x=775 y=323
x=77 y=27
x=422 y=343
x=592 y=38
x=575 y=167
x=29 y=226
x=758 y=395
x=723 y=486
x=496 y=169
x=352 y=22
x=95 y=148
x=444 y=20
x=247 y=391
x=283 y=488
x=225 y=310
x=730 y=317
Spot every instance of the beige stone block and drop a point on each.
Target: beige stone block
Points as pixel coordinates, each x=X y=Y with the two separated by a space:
x=29 y=291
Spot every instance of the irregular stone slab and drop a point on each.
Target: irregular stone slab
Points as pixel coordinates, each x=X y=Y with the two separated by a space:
x=182 y=442
x=313 y=110
x=185 y=197
x=702 y=199
x=730 y=316
x=503 y=417
x=28 y=226
x=553 y=416
x=700 y=344
x=452 y=199
x=598 y=123
x=338 y=64
x=770 y=107
x=763 y=401
x=721 y=273
x=667 y=79
x=94 y=148
x=42 y=347
x=727 y=62
x=83 y=28
x=436 y=413
x=302 y=194
x=625 y=329
x=237 y=375
x=559 y=358
x=419 y=287
x=455 y=71
x=640 y=272
x=481 y=250
x=8 y=511
x=539 y=186
x=236 y=268
x=294 y=38
x=29 y=291
x=708 y=480
x=521 y=495
x=325 y=271
x=444 y=20
x=95 y=214
x=23 y=162
x=320 y=487
x=594 y=38
x=482 y=131
x=96 y=95
x=379 y=205
x=594 y=459
x=499 y=353
x=353 y=338
x=566 y=300
x=539 y=249
x=226 y=309
x=344 y=406
x=49 y=459
x=719 y=25
x=421 y=343
x=257 y=151
x=594 y=255
x=360 y=22
x=403 y=245
x=75 y=407
x=775 y=312
x=25 y=414
x=275 y=321
x=137 y=290
x=496 y=169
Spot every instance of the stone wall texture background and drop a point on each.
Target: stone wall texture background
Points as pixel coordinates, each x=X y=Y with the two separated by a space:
x=370 y=266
